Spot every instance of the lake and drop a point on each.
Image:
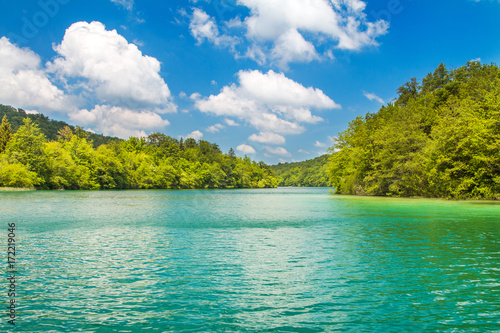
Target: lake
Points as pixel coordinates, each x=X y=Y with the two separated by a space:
x=267 y=260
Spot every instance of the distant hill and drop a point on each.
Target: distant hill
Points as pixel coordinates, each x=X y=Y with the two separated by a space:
x=47 y=126
x=33 y=156
x=310 y=173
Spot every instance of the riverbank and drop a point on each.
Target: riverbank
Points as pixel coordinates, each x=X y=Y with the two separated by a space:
x=16 y=189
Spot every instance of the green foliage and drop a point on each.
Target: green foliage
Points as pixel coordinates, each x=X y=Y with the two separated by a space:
x=26 y=147
x=5 y=134
x=158 y=161
x=310 y=173
x=439 y=139
x=49 y=128
x=16 y=174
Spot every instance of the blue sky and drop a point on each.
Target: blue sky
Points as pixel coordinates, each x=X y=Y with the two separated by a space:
x=273 y=79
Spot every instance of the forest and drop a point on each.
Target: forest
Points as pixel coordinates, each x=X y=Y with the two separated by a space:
x=310 y=173
x=49 y=127
x=72 y=160
x=440 y=139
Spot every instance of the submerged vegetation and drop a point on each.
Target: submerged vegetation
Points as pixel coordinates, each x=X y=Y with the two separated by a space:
x=440 y=138
x=310 y=173
x=28 y=159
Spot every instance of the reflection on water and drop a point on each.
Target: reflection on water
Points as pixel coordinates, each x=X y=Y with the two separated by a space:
x=294 y=260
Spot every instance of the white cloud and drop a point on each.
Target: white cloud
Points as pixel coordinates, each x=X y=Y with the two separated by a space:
x=373 y=97
x=230 y=122
x=303 y=151
x=197 y=135
x=203 y=27
x=269 y=102
x=215 y=128
x=292 y=47
x=25 y=84
x=278 y=151
x=285 y=31
x=116 y=71
x=195 y=96
x=246 y=149
x=100 y=66
x=138 y=42
x=118 y=121
x=127 y=4
x=319 y=144
x=266 y=137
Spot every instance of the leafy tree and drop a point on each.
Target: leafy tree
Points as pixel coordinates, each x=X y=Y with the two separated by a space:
x=108 y=169
x=437 y=80
x=50 y=128
x=72 y=160
x=65 y=134
x=61 y=168
x=26 y=147
x=408 y=91
x=5 y=133
x=310 y=173
x=16 y=174
x=441 y=142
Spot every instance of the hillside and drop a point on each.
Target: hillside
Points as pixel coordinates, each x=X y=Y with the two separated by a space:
x=440 y=138
x=47 y=126
x=38 y=152
x=310 y=173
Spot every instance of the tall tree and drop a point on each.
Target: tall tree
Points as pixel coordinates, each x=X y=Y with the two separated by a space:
x=408 y=91
x=5 y=134
x=440 y=142
x=26 y=147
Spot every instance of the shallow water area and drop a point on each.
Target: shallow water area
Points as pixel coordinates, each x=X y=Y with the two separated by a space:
x=284 y=260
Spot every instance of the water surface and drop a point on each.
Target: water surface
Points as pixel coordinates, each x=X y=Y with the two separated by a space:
x=280 y=260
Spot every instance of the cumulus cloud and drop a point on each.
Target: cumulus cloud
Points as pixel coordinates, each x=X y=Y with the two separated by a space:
x=115 y=70
x=118 y=121
x=266 y=137
x=215 y=128
x=230 y=122
x=284 y=31
x=204 y=28
x=292 y=47
x=278 y=151
x=26 y=84
x=121 y=84
x=269 y=102
x=246 y=149
x=373 y=97
x=197 y=135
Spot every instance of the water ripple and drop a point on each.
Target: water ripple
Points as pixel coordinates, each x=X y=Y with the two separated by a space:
x=284 y=260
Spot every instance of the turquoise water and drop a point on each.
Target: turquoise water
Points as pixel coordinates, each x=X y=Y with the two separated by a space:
x=269 y=260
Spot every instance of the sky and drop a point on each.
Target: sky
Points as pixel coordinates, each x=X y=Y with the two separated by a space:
x=275 y=80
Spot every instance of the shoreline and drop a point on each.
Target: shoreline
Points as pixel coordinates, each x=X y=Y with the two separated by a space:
x=17 y=189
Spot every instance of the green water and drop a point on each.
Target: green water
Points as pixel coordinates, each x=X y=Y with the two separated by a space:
x=276 y=260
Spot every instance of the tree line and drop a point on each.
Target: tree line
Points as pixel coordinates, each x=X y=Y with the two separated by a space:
x=29 y=159
x=439 y=138
x=49 y=127
x=310 y=173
